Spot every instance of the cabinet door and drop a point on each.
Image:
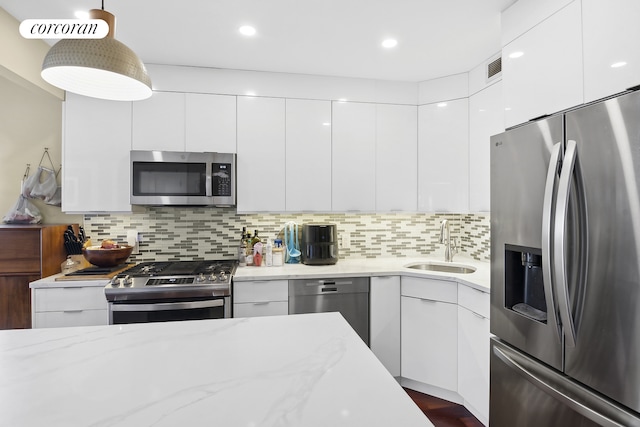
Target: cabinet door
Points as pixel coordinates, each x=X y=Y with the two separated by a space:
x=443 y=157
x=473 y=362
x=210 y=123
x=15 y=301
x=259 y=309
x=396 y=165
x=353 y=159
x=58 y=319
x=261 y=291
x=486 y=118
x=611 y=55
x=429 y=342
x=542 y=69
x=96 y=176
x=308 y=158
x=384 y=328
x=261 y=154
x=75 y=298
x=158 y=122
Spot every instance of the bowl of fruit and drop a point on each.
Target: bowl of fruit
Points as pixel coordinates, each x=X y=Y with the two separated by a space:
x=108 y=254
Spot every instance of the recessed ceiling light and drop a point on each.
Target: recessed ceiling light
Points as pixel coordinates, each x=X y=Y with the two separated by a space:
x=515 y=55
x=247 y=30
x=82 y=14
x=618 y=64
x=442 y=104
x=389 y=43
x=326 y=124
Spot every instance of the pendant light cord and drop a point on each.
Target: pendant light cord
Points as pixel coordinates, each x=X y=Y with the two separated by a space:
x=102 y=4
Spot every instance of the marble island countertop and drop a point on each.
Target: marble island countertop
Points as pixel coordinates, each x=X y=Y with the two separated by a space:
x=479 y=279
x=299 y=370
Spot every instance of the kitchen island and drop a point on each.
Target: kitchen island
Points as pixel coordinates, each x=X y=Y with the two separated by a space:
x=298 y=370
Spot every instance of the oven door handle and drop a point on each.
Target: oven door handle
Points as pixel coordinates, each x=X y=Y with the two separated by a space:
x=166 y=306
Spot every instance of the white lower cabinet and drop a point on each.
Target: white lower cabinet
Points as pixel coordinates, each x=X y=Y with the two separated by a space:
x=261 y=298
x=69 y=306
x=473 y=351
x=429 y=333
x=384 y=328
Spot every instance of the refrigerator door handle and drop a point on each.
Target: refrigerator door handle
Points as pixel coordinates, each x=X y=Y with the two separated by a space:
x=559 y=264
x=548 y=209
x=572 y=402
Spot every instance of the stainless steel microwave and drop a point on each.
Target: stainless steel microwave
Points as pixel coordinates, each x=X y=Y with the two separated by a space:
x=163 y=178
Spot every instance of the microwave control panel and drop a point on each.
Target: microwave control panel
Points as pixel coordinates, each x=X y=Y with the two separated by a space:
x=221 y=179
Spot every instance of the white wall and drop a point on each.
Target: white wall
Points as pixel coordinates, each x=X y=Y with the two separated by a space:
x=30 y=120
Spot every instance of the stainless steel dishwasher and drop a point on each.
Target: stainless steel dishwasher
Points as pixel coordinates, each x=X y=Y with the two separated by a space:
x=349 y=296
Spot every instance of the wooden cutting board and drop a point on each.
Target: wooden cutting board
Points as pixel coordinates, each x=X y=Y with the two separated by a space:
x=105 y=276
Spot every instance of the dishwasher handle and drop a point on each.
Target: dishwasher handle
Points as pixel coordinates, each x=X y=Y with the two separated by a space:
x=328 y=286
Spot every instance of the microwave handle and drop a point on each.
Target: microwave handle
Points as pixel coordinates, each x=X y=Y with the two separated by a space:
x=207 y=182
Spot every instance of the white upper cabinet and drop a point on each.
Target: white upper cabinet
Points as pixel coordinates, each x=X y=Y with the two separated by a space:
x=486 y=118
x=210 y=123
x=261 y=154
x=353 y=158
x=308 y=155
x=396 y=164
x=158 y=122
x=443 y=156
x=96 y=142
x=611 y=53
x=542 y=69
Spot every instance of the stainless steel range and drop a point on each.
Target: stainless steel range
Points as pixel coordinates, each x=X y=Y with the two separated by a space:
x=171 y=290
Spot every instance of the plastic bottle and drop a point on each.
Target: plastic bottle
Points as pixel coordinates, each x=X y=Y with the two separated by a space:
x=268 y=257
x=278 y=253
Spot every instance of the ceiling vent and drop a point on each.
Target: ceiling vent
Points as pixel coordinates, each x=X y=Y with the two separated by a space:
x=494 y=68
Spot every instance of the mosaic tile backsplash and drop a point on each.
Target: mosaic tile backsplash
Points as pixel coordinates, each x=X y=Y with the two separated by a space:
x=201 y=233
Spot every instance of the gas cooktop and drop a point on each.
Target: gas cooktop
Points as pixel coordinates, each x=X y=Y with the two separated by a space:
x=173 y=280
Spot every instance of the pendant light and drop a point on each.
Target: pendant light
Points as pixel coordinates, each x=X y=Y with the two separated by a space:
x=100 y=68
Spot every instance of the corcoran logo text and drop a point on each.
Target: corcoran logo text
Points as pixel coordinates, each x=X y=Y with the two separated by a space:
x=63 y=28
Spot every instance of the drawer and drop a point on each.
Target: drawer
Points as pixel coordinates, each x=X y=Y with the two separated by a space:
x=436 y=290
x=475 y=300
x=255 y=309
x=57 y=319
x=261 y=291
x=78 y=298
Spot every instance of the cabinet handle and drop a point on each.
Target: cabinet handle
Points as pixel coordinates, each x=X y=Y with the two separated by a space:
x=261 y=303
x=477 y=315
x=73 y=311
x=428 y=300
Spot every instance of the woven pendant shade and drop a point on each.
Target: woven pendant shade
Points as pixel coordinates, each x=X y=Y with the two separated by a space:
x=101 y=68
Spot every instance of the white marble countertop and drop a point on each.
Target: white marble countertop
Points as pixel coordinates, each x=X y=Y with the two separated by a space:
x=51 y=282
x=298 y=370
x=480 y=279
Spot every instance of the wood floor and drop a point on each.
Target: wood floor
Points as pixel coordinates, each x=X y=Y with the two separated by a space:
x=443 y=413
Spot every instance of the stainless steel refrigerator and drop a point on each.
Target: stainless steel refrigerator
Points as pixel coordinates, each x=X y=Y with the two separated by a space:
x=565 y=269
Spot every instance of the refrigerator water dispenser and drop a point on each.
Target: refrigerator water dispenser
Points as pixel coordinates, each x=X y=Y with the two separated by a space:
x=524 y=287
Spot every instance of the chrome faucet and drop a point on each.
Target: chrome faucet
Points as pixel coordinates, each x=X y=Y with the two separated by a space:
x=445 y=238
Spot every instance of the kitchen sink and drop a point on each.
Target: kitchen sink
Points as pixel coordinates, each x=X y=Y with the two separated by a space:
x=446 y=268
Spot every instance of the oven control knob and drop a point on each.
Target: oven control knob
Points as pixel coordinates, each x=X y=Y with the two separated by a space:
x=115 y=282
x=126 y=281
x=212 y=277
x=222 y=276
x=200 y=278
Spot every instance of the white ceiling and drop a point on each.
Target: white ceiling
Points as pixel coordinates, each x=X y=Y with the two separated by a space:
x=327 y=37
